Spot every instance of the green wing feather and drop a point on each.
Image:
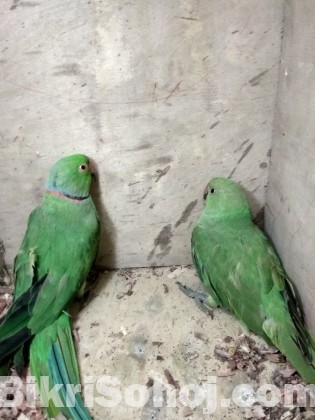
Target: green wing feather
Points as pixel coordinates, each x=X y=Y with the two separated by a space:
x=56 y=255
x=52 y=355
x=26 y=258
x=241 y=271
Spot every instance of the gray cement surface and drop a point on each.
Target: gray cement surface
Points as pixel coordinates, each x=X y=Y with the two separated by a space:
x=137 y=337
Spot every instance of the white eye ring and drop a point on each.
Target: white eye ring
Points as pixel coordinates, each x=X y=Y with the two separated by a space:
x=83 y=167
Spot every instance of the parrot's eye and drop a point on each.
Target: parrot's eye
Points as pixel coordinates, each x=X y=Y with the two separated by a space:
x=83 y=168
x=212 y=191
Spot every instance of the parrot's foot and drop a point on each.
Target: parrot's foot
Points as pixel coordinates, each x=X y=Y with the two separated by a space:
x=201 y=299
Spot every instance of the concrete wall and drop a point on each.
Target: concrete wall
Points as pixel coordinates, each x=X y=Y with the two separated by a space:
x=291 y=195
x=163 y=95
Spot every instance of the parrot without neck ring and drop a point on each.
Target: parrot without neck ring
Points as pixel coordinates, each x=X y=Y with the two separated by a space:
x=242 y=273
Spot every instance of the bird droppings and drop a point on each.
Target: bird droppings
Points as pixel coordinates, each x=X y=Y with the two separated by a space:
x=186 y=213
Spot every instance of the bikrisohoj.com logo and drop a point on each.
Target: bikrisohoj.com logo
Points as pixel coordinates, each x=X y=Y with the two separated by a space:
x=107 y=391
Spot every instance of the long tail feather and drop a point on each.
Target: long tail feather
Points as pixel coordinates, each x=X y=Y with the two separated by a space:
x=52 y=354
x=284 y=337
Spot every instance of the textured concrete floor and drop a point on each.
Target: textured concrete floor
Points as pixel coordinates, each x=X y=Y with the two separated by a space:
x=137 y=337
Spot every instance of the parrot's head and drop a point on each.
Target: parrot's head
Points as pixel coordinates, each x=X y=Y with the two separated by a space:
x=224 y=196
x=71 y=176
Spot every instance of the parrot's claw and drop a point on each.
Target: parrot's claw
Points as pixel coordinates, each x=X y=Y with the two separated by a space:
x=201 y=299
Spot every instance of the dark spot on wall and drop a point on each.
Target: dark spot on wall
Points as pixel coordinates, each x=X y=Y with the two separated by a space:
x=32 y=52
x=239 y=147
x=151 y=254
x=186 y=18
x=71 y=69
x=256 y=80
x=244 y=154
x=164 y=160
x=163 y=242
x=142 y=146
x=164 y=237
x=263 y=165
x=151 y=206
x=28 y=4
x=234 y=32
x=164 y=253
x=186 y=213
x=144 y=195
x=269 y=153
x=214 y=124
x=162 y=172
x=14 y=5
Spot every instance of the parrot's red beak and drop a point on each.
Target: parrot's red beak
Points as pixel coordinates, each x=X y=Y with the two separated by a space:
x=205 y=193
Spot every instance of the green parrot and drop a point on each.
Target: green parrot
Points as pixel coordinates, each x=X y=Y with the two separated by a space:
x=241 y=272
x=55 y=257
